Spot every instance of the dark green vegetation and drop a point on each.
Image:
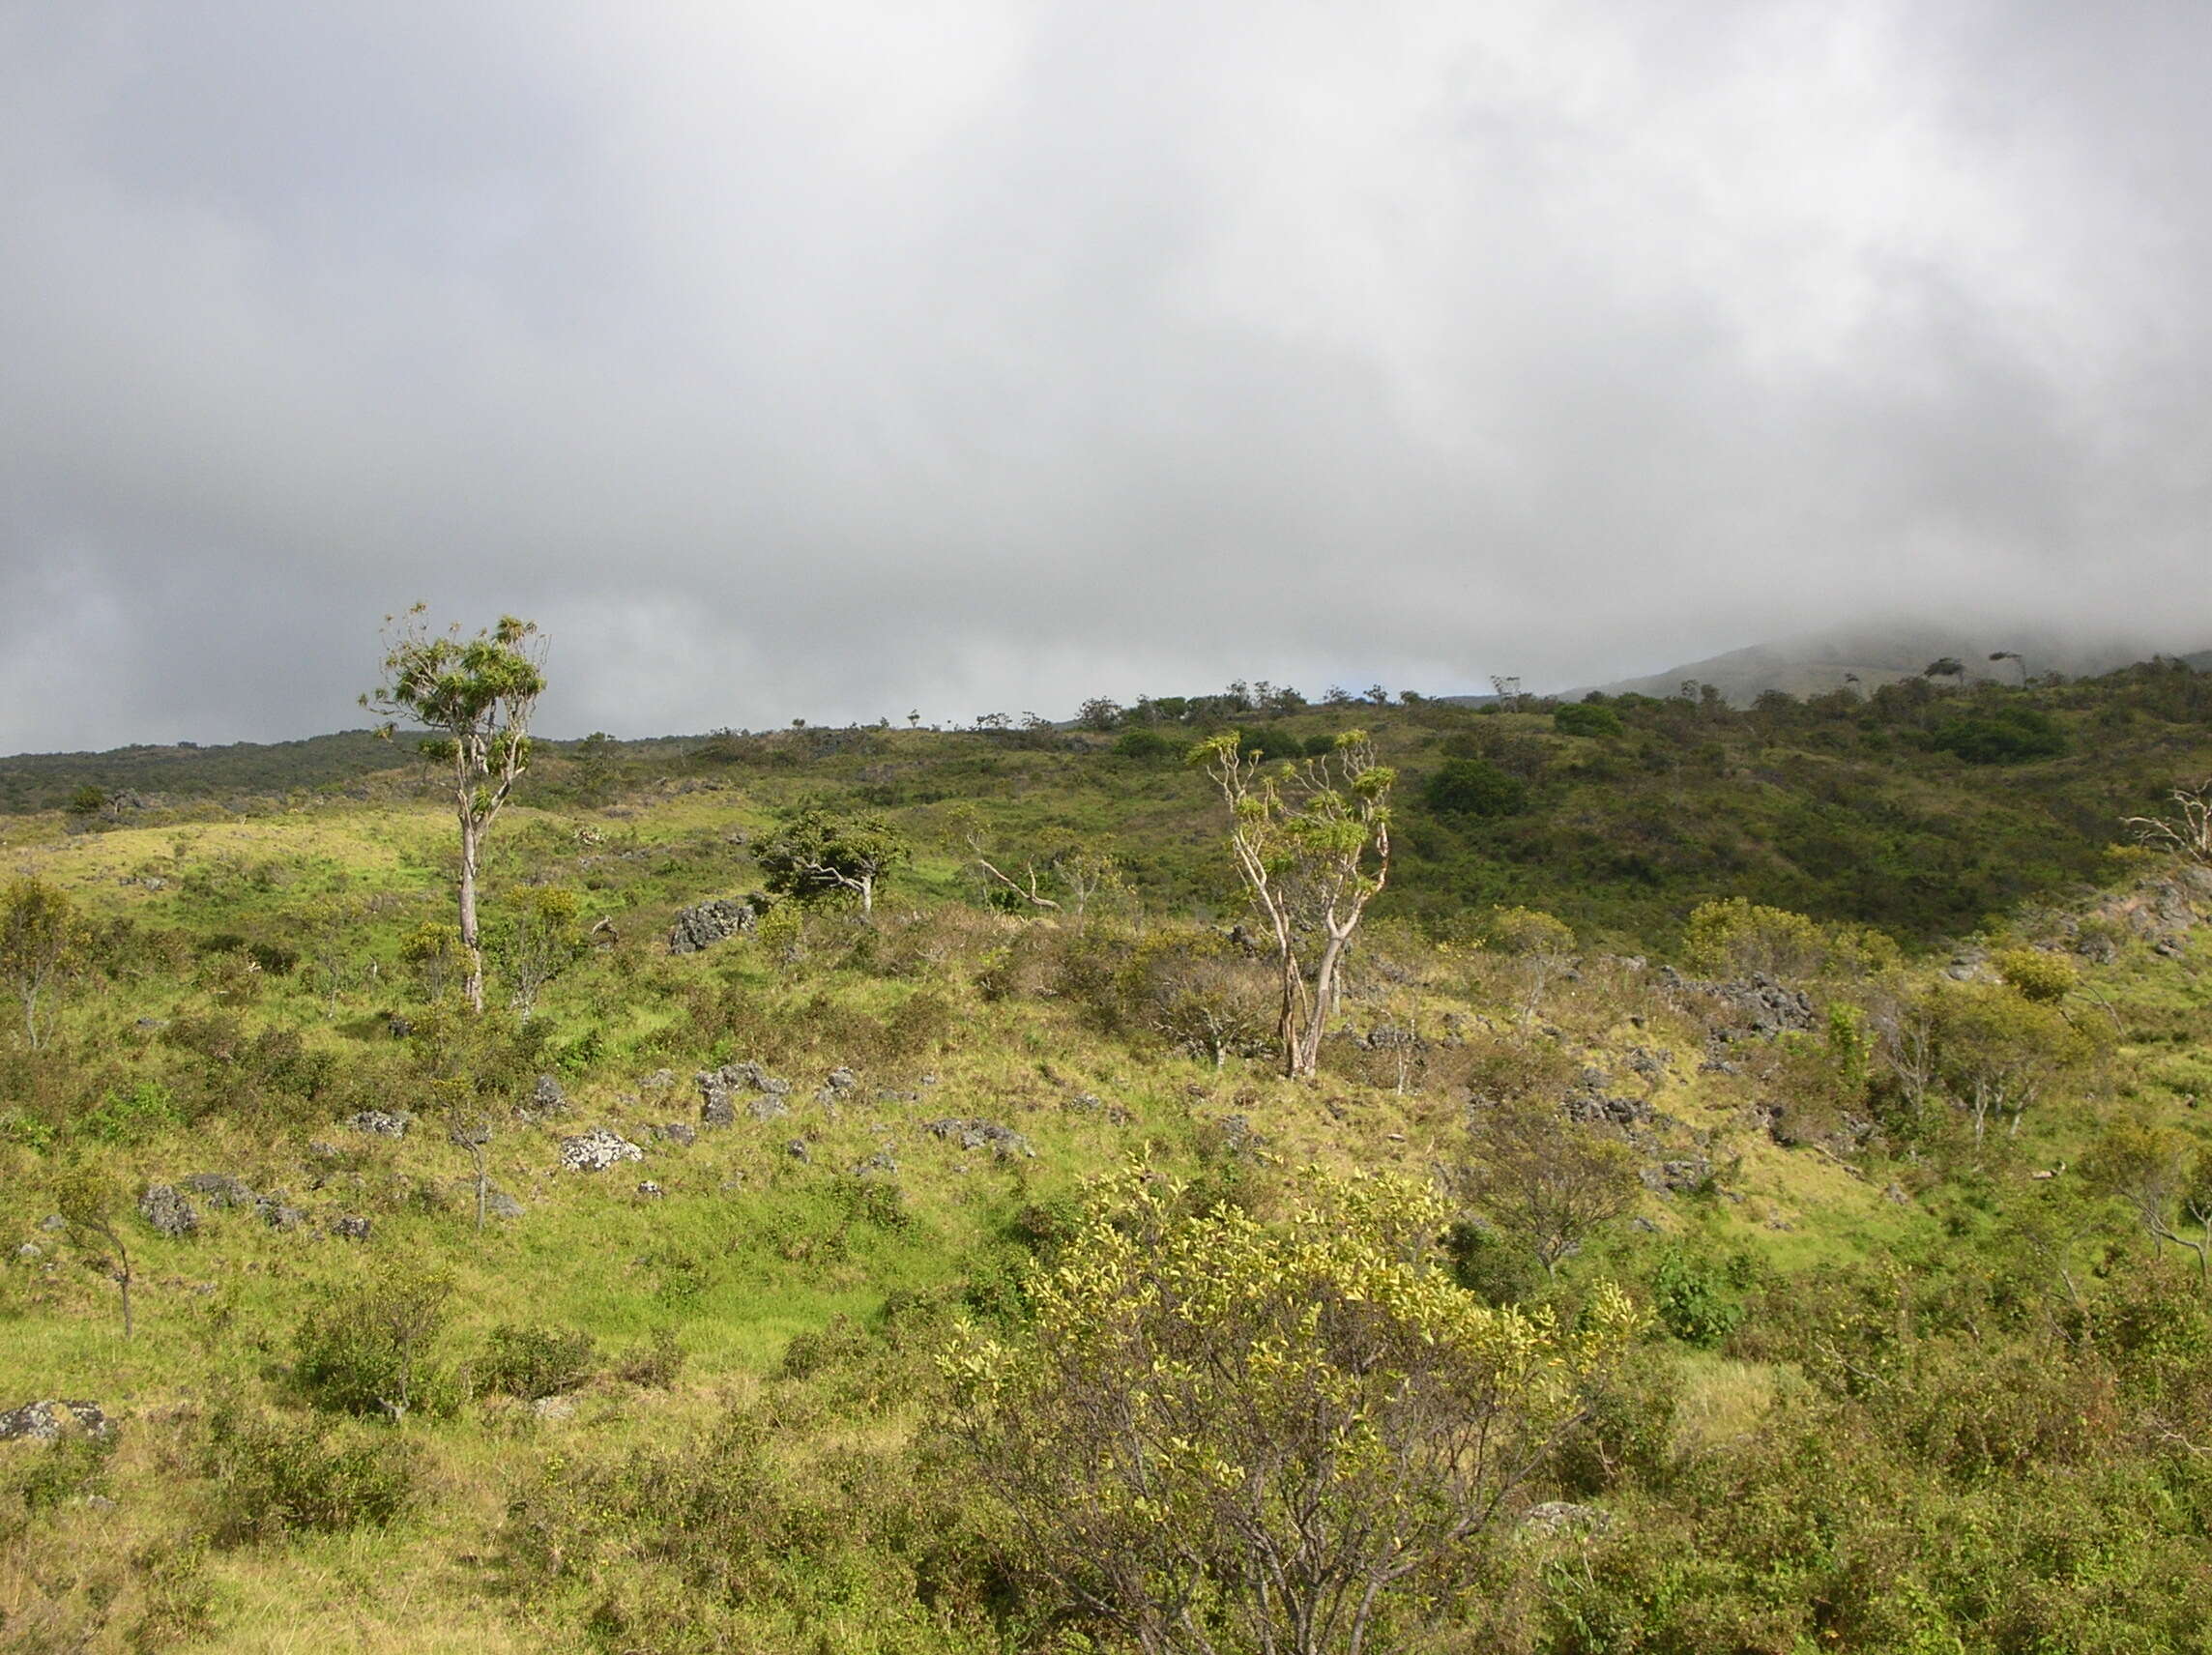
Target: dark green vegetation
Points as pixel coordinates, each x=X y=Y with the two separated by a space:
x=1872 y=1247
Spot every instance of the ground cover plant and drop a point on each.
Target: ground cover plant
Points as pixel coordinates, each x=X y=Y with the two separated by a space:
x=1777 y=1135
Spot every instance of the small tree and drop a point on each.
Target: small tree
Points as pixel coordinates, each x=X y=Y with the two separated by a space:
x=475 y=696
x=819 y=856
x=92 y=1205
x=432 y=951
x=2188 y=833
x=363 y=1349
x=543 y=938
x=1999 y=1052
x=1541 y=946
x=1549 y=1182
x=1217 y=1435
x=2165 y=1178
x=41 y=943
x=1312 y=842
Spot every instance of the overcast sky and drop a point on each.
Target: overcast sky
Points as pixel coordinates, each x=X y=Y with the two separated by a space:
x=832 y=360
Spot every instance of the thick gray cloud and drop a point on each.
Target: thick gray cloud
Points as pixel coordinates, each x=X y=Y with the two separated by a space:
x=838 y=359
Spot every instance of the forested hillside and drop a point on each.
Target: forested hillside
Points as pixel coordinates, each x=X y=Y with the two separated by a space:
x=1754 y=1194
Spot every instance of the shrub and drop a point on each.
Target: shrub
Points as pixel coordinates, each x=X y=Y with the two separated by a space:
x=654 y=1363
x=131 y=1114
x=2033 y=975
x=277 y=1476
x=2008 y=736
x=1476 y=788
x=534 y=1362
x=1695 y=1299
x=1148 y=746
x=365 y=1350
x=1578 y=718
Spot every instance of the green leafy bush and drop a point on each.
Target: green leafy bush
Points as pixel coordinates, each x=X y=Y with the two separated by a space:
x=2008 y=736
x=1579 y=718
x=1475 y=787
x=534 y=1362
x=274 y=1476
x=131 y=1114
x=1695 y=1298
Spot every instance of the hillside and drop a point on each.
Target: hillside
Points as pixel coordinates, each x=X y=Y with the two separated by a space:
x=1813 y=664
x=1884 y=1163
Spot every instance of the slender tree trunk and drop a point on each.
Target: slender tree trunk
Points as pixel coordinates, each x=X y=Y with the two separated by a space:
x=123 y=1281
x=1324 y=986
x=471 y=937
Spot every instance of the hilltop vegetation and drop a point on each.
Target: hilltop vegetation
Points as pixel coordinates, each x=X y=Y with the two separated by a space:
x=1783 y=1127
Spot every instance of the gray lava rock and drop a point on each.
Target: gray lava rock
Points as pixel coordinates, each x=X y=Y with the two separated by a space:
x=680 y=1132
x=1672 y=1178
x=220 y=1190
x=1004 y=1142
x=1756 y=1005
x=1596 y=1109
x=43 y=1421
x=379 y=1123
x=650 y=1190
x=546 y=1099
x=398 y=1026
x=168 y=1211
x=798 y=1150
x=53 y=1223
x=498 y=1203
x=351 y=1229
x=598 y=1150
x=721 y=1090
x=710 y=922
x=30 y=1253
x=278 y=1215
x=1564 y=1517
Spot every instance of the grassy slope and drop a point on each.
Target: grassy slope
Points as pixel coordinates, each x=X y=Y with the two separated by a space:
x=750 y=1246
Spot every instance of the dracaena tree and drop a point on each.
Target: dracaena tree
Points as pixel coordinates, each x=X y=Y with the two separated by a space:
x=1311 y=843
x=473 y=697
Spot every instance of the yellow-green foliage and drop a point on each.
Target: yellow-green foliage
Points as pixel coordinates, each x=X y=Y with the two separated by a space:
x=1260 y=1425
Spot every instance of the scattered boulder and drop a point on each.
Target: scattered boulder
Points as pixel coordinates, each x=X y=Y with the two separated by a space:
x=1672 y=1177
x=30 y=1253
x=220 y=1190
x=44 y=1421
x=598 y=1150
x=881 y=1161
x=498 y=1203
x=707 y=923
x=1565 y=1517
x=278 y=1215
x=1596 y=1109
x=350 y=1228
x=546 y=1099
x=660 y=1080
x=840 y=1084
x=1004 y=1142
x=650 y=1191
x=379 y=1123
x=1757 y=1007
x=398 y=1026
x=720 y=1089
x=168 y=1211
x=798 y=1150
x=53 y=1223
x=679 y=1132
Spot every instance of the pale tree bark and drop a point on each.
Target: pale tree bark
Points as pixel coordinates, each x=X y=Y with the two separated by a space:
x=1312 y=843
